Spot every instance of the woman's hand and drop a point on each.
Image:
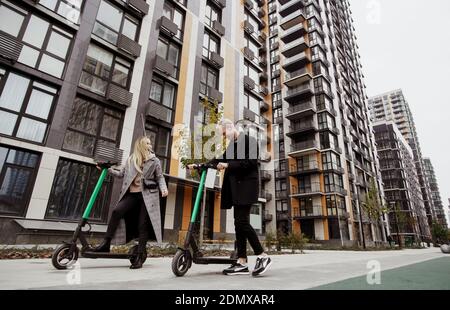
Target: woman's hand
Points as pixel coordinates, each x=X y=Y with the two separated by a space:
x=98 y=167
x=222 y=166
x=191 y=166
x=165 y=193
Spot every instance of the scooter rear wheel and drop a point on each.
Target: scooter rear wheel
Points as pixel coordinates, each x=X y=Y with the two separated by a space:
x=133 y=254
x=181 y=263
x=62 y=259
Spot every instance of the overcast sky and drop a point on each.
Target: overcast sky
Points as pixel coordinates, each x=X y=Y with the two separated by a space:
x=406 y=44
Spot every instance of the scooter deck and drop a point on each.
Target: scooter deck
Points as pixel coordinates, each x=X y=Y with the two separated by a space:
x=105 y=255
x=213 y=260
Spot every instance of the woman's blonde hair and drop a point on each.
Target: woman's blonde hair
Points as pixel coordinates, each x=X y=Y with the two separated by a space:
x=140 y=153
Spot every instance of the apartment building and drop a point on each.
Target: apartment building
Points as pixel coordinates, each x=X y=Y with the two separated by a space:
x=324 y=152
x=74 y=73
x=393 y=106
x=435 y=194
x=407 y=216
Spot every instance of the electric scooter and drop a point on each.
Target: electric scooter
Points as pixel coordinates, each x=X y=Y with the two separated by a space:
x=66 y=255
x=190 y=252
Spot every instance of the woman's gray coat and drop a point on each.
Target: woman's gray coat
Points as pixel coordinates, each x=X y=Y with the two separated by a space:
x=152 y=171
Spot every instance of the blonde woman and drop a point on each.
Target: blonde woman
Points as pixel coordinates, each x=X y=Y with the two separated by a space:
x=137 y=213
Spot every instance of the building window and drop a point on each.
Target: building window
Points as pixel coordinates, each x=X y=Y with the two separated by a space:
x=209 y=78
x=90 y=123
x=212 y=14
x=102 y=68
x=160 y=138
x=163 y=94
x=73 y=184
x=170 y=52
x=252 y=103
x=176 y=16
x=69 y=9
x=112 y=22
x=251 y=72
x=211 y=44
x=17 y=174
x=25 y=107
x=46 y=46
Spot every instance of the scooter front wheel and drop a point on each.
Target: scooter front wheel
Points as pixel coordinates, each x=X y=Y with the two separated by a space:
x=62 y=258
x=181 y=262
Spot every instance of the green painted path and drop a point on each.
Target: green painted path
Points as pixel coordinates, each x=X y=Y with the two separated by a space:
x=429 y=275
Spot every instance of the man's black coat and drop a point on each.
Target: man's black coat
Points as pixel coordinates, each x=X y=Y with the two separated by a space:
x=241 y=179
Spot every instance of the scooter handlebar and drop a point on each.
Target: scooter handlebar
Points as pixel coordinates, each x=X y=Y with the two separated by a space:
x=204 y=166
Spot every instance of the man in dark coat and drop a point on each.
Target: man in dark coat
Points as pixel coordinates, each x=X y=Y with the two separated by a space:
x=240 y=190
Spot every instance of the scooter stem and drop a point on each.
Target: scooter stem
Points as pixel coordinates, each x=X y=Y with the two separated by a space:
x=199 y=197
x=94 y=195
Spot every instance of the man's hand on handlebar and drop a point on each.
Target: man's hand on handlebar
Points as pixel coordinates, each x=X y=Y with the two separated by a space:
x=220 y=166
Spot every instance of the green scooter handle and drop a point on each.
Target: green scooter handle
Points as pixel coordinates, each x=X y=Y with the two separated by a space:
x=94 y=195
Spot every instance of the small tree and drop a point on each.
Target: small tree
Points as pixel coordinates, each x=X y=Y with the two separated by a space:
x=271 y=240
x=439 y=233
x=192 y=143
x=372 y=204
x=295 y=241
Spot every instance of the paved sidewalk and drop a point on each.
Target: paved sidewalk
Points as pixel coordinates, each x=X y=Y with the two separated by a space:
x=313 y=269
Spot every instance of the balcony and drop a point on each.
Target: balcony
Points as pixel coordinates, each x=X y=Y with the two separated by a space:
x=295 y=47
x=264 y=91
x=214 y=95
x=312 y=189
x=301 y=110
x=216 y=60
x=278 y=104
x=248 y=53
x=219 y=28
x=249 y=115
x=296 y=62
x=249 y=84
x=119 y=95
x=265 y=176
x=10 y=47
x=278 y=120
x=266 y=195
x=248 y=27
x=299 y=93
x=291 y=7
x=139 y=5
x=307 y=168
x=164 y=66
x=293 y=33
x=335 y=189
x=302 y=148
x=292 y=19
x=308 y=212
x=333 y=168
x=301 y=128
x=263 y=77
x=221 y=3
x=295 y=78
x=268 y=217
x=264 y=106
x=167 y=26
x=130 y=46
